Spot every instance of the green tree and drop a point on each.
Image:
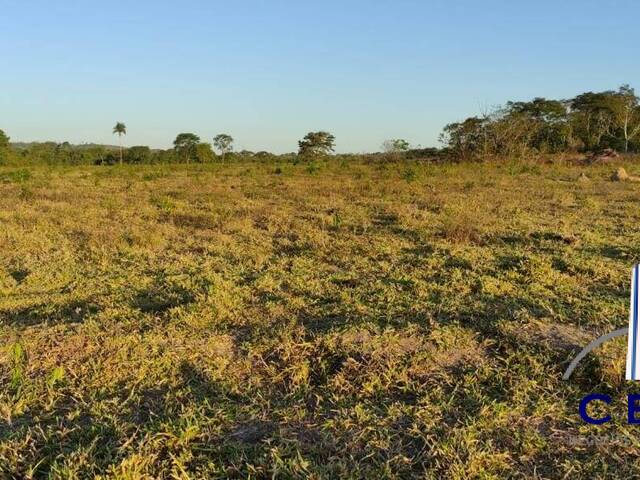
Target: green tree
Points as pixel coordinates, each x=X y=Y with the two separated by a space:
x=224 y=143
x=185 y=146
x=165 y=156
x=468 y=138
x=316 y=143
x=120 y=129
x=517 y=129
x=68 y=154
x=545 y=124
x=592 y=118
x=138 y=154
x=4 y=147
x=204 y=153
x=108 y=158
x=263 y=154
x=395 y=147
x=4 y=140
x=540 y=109
x=625 y=113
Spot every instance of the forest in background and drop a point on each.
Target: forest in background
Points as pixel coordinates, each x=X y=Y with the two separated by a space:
x=589 y=122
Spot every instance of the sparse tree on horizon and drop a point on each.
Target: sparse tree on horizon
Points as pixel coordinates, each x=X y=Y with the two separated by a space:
x=224 y=143
x=120 y=129
x=394 y=147
x=185 y=145
x=316 y=143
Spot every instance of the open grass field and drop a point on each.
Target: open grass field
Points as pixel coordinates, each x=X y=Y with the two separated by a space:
x=313 y=321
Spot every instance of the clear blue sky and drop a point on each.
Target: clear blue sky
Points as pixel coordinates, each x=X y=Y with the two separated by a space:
x=268 y=72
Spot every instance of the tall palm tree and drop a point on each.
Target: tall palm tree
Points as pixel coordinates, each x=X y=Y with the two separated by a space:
x=120 y=129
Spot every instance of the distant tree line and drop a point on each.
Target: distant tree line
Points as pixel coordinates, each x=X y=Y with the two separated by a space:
x=187 y=148
x=589 y=122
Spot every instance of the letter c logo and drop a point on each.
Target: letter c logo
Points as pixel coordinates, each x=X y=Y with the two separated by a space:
x=583 y=408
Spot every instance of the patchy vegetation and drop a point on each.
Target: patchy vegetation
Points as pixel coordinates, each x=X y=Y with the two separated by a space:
x=345 y=320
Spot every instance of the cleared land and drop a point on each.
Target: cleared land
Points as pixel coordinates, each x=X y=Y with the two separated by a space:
x=315 y=321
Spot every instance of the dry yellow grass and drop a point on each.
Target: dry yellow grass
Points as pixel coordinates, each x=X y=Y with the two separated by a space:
x=349 y=321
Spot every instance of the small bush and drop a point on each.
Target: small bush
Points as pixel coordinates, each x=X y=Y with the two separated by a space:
x=313 y=168
x=462 y=226
x=15 y=176
x=409 y=175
